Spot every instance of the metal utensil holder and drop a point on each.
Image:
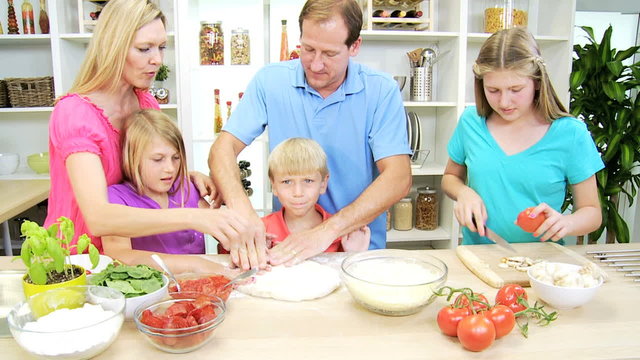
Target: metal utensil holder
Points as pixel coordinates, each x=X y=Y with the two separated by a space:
x=421 y=83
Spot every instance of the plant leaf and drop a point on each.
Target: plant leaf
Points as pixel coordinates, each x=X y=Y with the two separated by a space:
x=25 y=253
x=67 y=228
x=625 y=54
x=614 y=90
x=38 y=274
x=55 y=251
x=83 y=242
x=53 y=230
x=94 y=255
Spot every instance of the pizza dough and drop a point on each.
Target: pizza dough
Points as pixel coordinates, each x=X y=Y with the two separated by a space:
x=305 y=281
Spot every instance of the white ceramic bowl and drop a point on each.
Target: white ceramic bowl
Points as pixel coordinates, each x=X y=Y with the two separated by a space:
x=560 y=297
x=135 y=302
x=9 y=163
x=84 y=261
x=82 y=338
x=393 y=282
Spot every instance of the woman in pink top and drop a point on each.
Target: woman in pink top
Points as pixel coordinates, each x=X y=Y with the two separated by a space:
x=85 y=133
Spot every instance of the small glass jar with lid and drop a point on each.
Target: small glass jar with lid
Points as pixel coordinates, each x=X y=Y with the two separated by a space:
x=505 y=14
x=211 y=43
x=240 y=49
x=403 y=215
x=388 y=216
x=427 y=209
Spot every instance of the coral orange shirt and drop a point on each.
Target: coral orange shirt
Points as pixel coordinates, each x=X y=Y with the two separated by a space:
x=275 y=224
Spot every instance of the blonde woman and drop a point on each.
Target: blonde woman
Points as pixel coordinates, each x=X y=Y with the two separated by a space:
x=519 y=148
x=85 y=132
x=155 y=177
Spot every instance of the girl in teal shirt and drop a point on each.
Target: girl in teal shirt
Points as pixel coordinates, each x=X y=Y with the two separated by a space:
x=519 y=148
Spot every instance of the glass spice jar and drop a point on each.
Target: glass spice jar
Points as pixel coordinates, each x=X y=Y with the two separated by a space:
x=388 y=215
x=240 y=50
x=211 y=43
x=505 y=14
x=426 y=209
x=403 y=215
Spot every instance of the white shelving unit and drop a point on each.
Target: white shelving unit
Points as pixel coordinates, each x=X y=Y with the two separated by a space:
x=58 y=54
x=457 y=29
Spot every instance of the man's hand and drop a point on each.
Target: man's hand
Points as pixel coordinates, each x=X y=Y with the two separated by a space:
x=301 y=246
x=204 y=184
x=250 y=251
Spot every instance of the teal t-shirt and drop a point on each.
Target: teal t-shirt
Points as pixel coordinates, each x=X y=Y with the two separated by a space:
x=566 y=154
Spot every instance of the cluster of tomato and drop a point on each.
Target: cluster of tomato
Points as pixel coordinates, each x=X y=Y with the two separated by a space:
x=188 y=316
x=211 y=286
x=477 y=324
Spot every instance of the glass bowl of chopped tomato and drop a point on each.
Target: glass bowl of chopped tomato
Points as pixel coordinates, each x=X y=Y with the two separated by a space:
x=208 y=284
x=182 y=323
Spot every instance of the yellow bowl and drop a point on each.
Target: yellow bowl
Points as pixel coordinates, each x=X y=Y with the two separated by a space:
x=39 y=162
x=32 y=289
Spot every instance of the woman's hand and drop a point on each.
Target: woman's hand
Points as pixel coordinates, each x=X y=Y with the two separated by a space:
x=469 y=206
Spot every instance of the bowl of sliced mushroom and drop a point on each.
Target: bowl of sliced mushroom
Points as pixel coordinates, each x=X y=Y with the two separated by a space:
x=565 y=286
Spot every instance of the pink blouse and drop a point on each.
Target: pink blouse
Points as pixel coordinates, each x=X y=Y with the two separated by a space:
x=78 y=125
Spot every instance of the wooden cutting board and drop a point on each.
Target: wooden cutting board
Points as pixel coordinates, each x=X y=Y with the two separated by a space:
x=483 y=260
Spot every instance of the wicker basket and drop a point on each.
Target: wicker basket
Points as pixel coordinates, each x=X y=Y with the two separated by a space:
x=4 y=95
x=30 y=92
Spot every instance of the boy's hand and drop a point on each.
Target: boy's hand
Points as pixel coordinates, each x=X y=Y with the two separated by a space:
x=357 y=240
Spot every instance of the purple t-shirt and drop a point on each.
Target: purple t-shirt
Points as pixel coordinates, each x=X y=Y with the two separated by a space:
x=177 y=242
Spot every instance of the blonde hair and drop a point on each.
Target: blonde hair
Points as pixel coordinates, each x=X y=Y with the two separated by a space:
x=516 y=50
x=107 y=53
x=297 y=156
x=323 y=10
x=139 y=130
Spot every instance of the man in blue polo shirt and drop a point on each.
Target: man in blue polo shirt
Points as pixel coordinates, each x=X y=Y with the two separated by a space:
x=355 y=113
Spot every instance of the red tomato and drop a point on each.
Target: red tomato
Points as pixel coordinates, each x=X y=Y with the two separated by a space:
x=527 y=223
x=179 y=309
x=502 y=318
x=508 y=295
x=449 y=317
x=149 y=319
x=463 y=301
x=476 y=332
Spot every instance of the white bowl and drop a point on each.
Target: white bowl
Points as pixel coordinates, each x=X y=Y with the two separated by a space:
x=134 y=302
x=82 y=338
x=561 y=297
x=9 y=163
x=84 y=261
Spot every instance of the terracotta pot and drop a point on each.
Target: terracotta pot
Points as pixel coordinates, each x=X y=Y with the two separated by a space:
x=32 y=289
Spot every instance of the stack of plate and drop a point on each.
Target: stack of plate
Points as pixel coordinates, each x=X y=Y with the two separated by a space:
x=414 y=132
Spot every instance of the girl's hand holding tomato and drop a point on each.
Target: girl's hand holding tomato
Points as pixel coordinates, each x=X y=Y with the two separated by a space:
x=545 y=222
x=508 y=295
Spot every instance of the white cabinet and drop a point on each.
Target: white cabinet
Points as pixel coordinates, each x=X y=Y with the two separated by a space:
x=458 y=32
x=58 y=54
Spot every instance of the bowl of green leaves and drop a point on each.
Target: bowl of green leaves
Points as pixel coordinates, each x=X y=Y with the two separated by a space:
x=140 y=284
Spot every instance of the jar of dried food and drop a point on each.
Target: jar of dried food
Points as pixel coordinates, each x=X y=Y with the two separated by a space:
x=240 y=50
x=505 y=14
x=426 y=209
x=403 y=215
x=388 y=215
x=211 y=43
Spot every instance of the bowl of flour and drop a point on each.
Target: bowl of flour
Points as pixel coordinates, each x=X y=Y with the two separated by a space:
x=75 y=322
x=393 y=282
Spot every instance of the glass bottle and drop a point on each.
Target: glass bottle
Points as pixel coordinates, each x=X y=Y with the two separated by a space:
x=12 y=20
x=217 y=117
x=28 y=23
x=426 y=209
x=228 y=110
x=43 y=20
x=284 y=42
x=217 y=55
x=240 y=50
x=403 y=215
x=206 y=42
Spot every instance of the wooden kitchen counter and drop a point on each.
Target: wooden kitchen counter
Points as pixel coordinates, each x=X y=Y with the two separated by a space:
x=17 y=196
x=335 y=327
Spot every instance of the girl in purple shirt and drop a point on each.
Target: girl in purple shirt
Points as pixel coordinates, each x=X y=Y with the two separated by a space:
x=156 y=177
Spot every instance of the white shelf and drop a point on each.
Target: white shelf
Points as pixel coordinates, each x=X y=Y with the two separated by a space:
x=84 y=38
x=438 y=234
x=419 y=104
x=21 y=39
x=407 y=35
x=479 y=38
x=25 y=173
x=26 y=109
x=429 y=168
x=168 y=106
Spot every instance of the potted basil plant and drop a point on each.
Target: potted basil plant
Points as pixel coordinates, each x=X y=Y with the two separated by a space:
x=46 y=254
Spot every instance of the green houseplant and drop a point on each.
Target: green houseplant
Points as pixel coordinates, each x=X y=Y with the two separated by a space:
x=602 y=95
x=45 y=253
x=159 y=91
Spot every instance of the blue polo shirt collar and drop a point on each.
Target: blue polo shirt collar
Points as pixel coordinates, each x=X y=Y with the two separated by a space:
x=352 y=84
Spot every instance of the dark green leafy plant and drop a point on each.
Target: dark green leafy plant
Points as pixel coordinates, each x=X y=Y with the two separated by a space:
x=45 y=251
x=163 y=73
x=602 y=96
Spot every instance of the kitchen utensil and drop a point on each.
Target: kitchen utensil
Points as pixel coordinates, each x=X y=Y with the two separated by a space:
x=484 y=260
x=409 y=128
x=415 y=135
x=427 y=57
x=401 y=80
x=491 y=235
x=165 y=268
x=242 y=276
